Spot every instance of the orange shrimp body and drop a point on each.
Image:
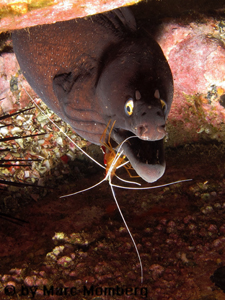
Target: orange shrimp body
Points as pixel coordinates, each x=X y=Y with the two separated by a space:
x=110 y=158
x=112 y=161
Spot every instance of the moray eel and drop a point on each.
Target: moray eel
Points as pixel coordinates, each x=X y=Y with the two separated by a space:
x=100 y=68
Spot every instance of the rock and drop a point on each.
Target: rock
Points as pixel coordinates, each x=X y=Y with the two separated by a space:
x=24 y=13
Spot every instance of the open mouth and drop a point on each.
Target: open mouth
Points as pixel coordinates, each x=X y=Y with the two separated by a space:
x=146 y=157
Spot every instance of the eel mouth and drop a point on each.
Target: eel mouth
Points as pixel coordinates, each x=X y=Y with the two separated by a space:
x=146 y=157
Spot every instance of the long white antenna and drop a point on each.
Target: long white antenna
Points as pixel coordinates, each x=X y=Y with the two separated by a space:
x=128 y=230
x=108 y=177
x=78 y=147
x=150 y=187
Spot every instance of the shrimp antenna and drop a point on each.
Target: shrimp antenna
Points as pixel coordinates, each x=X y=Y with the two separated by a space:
x=128 y=230
x=127 y=181
x=110 y=173
x=107 y=177
x=87 y=189
x=150 y=187
x=78 y=147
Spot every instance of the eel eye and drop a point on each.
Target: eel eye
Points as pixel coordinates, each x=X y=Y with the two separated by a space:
x=129 y=107
x=164 y=105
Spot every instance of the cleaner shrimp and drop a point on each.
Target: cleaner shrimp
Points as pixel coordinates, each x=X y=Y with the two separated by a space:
x=114 y=159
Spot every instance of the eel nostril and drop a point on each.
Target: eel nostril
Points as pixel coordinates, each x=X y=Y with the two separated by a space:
x=159 y=113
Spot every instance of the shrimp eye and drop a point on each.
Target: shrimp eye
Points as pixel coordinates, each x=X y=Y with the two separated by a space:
x=129 y=107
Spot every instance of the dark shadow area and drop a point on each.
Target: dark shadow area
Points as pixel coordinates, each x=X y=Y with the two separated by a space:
x=156 y=10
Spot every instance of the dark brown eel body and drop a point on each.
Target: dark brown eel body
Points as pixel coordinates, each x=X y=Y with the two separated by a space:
x=101 y=68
